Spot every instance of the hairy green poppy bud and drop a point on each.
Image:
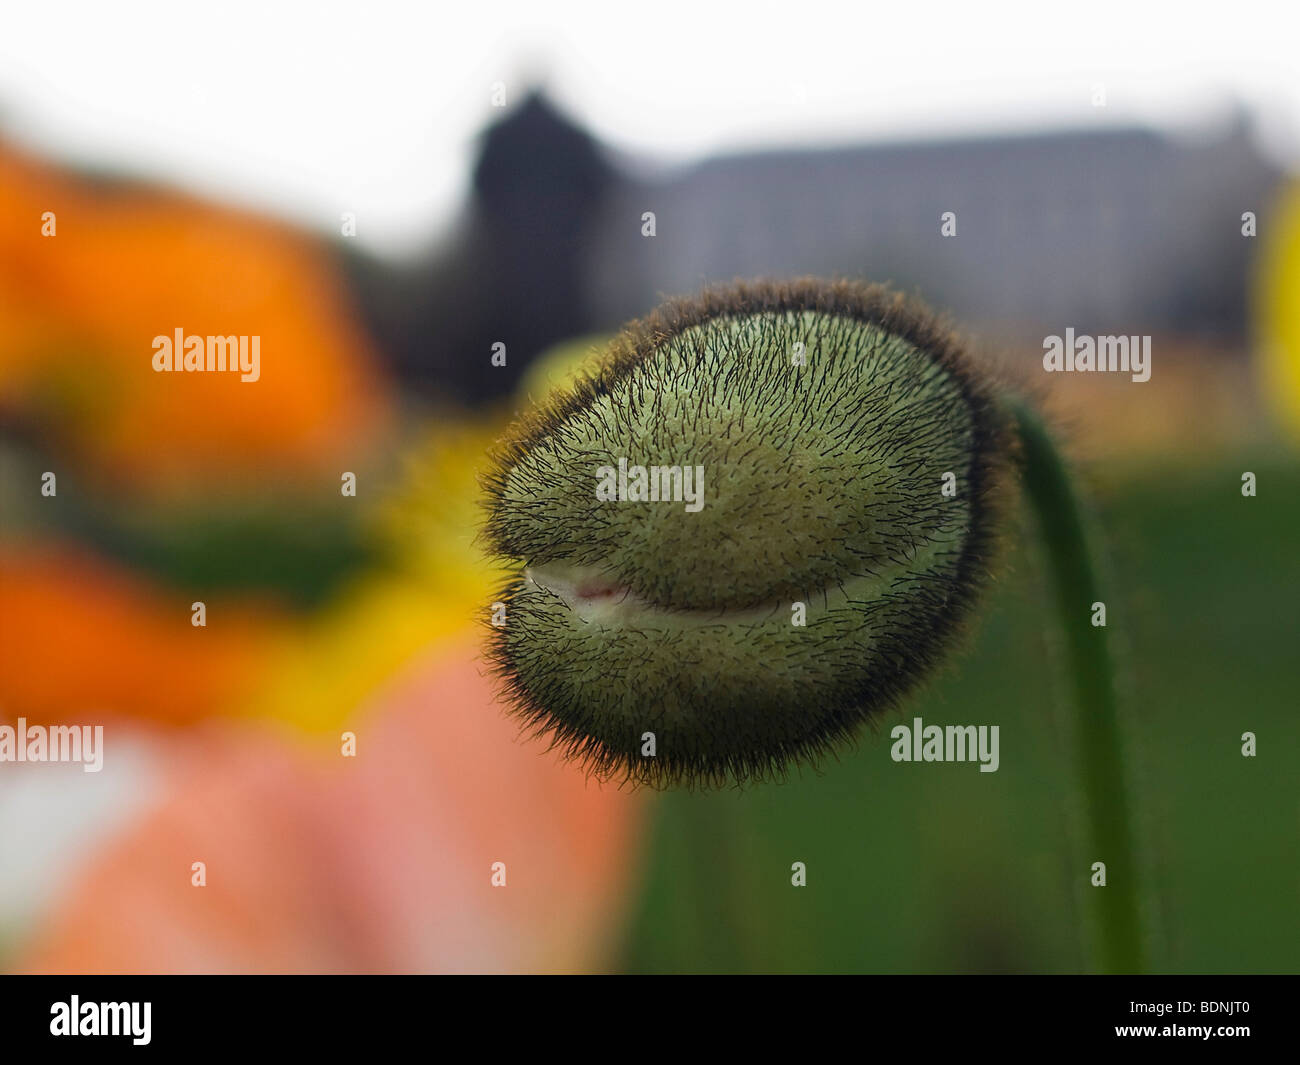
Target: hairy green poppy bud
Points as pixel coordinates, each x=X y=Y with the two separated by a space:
x=757 y=524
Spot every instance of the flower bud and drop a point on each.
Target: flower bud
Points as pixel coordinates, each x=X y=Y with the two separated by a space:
x=758 y=523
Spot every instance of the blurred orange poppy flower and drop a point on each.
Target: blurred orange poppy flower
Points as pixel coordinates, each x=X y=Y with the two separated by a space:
x=84 y=637
x=91 y=272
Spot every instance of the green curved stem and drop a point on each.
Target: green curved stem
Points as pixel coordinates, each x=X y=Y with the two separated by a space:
x=1116 y=908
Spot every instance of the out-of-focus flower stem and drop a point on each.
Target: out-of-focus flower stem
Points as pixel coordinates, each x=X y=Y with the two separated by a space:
x=1116 y=908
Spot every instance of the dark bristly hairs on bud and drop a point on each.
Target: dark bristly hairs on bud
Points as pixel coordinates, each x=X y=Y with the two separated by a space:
x=827 y=570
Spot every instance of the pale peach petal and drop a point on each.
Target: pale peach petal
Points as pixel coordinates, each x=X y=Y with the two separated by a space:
x=379 y=863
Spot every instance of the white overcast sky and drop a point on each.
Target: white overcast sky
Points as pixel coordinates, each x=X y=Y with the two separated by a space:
x=312 y=109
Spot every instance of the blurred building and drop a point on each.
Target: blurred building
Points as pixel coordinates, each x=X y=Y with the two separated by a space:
x=1108 y=231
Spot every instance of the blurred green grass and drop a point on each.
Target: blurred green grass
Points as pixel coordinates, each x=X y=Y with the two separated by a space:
x=940 y=868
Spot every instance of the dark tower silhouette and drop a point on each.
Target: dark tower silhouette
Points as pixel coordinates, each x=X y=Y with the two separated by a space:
x=513 y=274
